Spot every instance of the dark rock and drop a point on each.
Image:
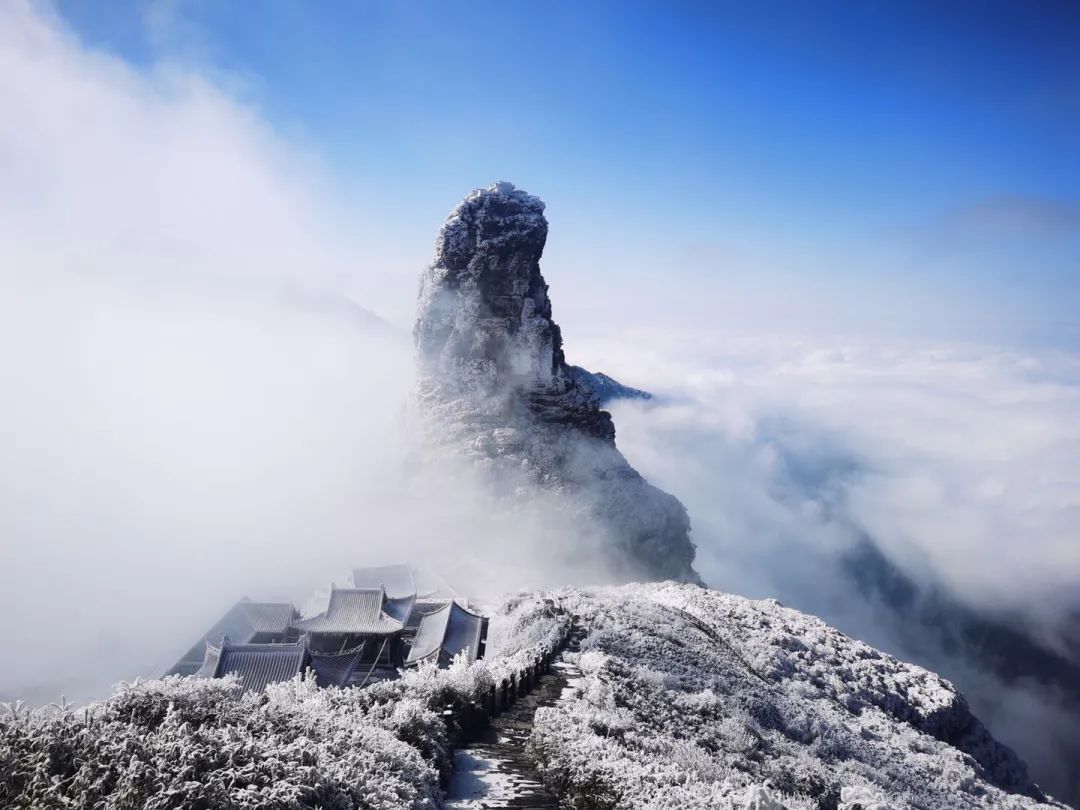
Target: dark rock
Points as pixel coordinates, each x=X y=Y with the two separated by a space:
x=606 y=388
x=495 y=387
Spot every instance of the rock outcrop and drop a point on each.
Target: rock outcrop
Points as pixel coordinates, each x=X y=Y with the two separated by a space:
x=494 y=386
x=606 y=388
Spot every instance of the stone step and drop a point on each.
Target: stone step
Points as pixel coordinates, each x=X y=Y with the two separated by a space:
x=493 y=772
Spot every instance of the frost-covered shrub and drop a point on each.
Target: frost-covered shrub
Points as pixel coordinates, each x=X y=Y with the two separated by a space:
x=148 y=703
x=573 y=762
x=421 y=728
x=180 y=743
x=693 y=698
x=457 y=685
x=523 y=627
x=192 y=743
x=862 y=798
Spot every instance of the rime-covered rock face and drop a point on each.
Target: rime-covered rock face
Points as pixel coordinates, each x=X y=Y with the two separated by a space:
x=494 y=386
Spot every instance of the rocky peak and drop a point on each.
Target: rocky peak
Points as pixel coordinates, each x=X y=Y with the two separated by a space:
x=494 y=384
x=484 y=306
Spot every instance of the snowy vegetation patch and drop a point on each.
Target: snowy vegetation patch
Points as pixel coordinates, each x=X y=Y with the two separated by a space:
x=194 y=743
x=524 y=625
x=694 y=698
x=686 y=698
x=190 y=743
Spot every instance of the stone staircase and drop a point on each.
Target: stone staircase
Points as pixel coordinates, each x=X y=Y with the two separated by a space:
x=493 y=771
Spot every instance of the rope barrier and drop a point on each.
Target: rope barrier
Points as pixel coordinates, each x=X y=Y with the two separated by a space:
x=374 y=664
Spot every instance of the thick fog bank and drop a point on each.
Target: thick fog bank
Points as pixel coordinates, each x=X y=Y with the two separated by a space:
x=164 y=457
x=196 y=405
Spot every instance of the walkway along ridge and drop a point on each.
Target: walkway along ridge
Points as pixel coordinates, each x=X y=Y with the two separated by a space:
x=491 y=769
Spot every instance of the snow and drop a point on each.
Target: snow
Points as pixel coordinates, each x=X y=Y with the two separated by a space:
x=695 y=698
x=494 y=390
x=193 y=742
x=683 y=697
x=178 y=743
x=479 y=783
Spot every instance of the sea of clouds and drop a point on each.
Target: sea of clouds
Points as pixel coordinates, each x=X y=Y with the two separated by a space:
x=961 y=463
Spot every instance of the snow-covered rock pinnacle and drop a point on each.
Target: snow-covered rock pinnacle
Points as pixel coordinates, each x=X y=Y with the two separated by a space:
x=494 y=386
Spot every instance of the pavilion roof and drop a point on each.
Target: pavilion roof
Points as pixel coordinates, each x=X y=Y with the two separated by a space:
x=446 y=632
x=241 y=623
x=258 y=664
x=400 y=608
x=353 y=611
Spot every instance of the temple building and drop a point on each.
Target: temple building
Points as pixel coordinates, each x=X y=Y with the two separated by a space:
x=367 y=633
x=258 y=665
x=356 y=639
x=447 y=632
x=246 y=622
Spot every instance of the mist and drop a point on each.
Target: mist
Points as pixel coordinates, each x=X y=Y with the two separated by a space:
x=194 y=407
x=198 y=403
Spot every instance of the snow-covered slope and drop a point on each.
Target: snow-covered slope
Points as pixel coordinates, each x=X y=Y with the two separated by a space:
x=687 y=698
x=494 y=388
x=690 y=697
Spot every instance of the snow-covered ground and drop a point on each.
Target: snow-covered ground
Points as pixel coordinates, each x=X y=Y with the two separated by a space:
x=696 y=698
x=681 y=697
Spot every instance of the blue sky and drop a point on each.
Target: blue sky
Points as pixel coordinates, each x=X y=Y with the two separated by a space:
x=914 y=165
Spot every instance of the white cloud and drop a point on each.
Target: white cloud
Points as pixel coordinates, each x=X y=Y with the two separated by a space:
x=189 y=408
x=962 y=461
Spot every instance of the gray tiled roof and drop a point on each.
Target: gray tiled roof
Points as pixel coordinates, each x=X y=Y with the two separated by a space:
x=446 y=632
x=421 y=608
x=429 y=636
x=462 y=633
x=268 y=617
x=241 y=623
x=396 y=580
x=186 y=666
x=260 y=664
x=400 y=608
x=353 y=610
